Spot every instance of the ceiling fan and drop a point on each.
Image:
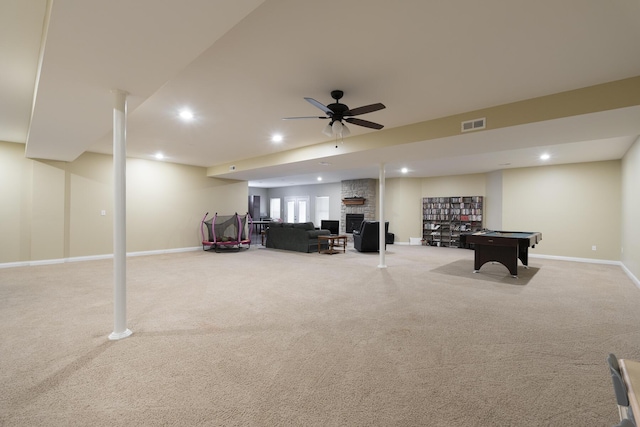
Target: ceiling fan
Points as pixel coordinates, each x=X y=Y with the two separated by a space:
x=338 y=112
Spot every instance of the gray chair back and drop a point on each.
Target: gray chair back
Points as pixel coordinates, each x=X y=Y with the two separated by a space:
x=619 y=387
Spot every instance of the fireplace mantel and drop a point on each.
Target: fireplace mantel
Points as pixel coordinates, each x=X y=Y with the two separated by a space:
x=354 y=201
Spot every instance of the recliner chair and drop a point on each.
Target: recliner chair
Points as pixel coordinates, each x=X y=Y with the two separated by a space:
x=619 y=387
x=367 y=238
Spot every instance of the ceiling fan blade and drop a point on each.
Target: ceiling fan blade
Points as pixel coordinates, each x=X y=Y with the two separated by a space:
x=364 y=109
x=319 y=105
x=305 y=117
x=364 y=123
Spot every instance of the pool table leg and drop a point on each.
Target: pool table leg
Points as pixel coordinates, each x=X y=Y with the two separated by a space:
x=505 y=255
x=523 y=254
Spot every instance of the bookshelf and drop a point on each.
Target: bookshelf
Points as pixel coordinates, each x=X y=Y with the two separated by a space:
x=444 y=219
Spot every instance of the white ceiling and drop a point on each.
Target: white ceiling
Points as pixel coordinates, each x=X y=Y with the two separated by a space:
x=242 y=65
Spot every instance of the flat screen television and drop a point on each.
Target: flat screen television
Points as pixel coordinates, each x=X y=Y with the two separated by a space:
x=333 y=225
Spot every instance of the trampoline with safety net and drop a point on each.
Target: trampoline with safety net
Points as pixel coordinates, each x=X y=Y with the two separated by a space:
x=224 y=232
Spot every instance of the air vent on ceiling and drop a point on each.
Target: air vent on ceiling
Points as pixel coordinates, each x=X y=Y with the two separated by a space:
x=475 y=124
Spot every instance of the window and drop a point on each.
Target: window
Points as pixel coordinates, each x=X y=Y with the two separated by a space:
x=322 y=208
x=274 y=208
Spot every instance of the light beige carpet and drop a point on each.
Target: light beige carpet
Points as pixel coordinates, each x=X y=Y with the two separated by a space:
x=267 y=338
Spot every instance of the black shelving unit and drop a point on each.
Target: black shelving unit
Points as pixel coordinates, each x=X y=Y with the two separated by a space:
x=445 y=219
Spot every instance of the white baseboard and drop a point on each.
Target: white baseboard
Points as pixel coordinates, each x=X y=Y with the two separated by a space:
x=566 y=258
x=31 y=263
x=165 y=251
x=633 y=278
x=94 y=257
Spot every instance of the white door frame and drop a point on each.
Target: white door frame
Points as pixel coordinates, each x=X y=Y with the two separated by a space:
x=295 y=202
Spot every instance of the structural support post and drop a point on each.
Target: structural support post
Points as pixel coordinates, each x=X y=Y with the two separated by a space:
x=119 y=216
x=383 y=235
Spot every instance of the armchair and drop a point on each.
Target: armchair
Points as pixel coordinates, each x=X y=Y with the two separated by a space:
x=367 y=238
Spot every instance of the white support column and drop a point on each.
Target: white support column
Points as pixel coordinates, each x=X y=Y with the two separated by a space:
x=119 y=216
x=383 y=235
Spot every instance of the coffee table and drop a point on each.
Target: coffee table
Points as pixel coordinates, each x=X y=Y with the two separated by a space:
x=334 y=241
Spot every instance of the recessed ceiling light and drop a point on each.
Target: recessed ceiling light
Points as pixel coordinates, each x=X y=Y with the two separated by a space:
x=404 y=170
x=186 y=115
x=276 y=138
x=319 y=178
x=545 y=156
x=159 y=156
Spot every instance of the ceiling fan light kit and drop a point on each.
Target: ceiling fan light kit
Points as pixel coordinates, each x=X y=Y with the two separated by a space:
x=338 y=112
x=328 y=130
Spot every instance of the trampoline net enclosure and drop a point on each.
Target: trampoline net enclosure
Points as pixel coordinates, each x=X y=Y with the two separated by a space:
x=226 y=230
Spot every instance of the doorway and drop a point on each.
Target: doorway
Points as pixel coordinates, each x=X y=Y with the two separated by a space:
x=296 y=209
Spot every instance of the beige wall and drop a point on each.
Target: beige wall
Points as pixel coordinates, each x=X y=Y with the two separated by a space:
x=456 y=185
x=47 y=212
x=575 y=206
x=90 y=189
x=493 y=201
x=630 y=224
x=52 y=210
x=403 y=207
x=161 y=193
x=15 y=203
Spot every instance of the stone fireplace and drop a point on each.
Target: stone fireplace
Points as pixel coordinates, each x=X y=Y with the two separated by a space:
x=365 y=209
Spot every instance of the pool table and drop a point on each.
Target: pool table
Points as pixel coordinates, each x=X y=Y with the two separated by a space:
x=504 y=247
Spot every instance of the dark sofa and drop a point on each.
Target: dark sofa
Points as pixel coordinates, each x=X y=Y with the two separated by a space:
x=366 y=238
x=300 y=237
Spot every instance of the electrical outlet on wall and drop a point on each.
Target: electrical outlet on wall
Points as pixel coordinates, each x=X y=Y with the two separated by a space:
x=593 y=248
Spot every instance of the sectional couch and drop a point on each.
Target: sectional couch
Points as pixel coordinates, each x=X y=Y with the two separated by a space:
x=300 y=237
